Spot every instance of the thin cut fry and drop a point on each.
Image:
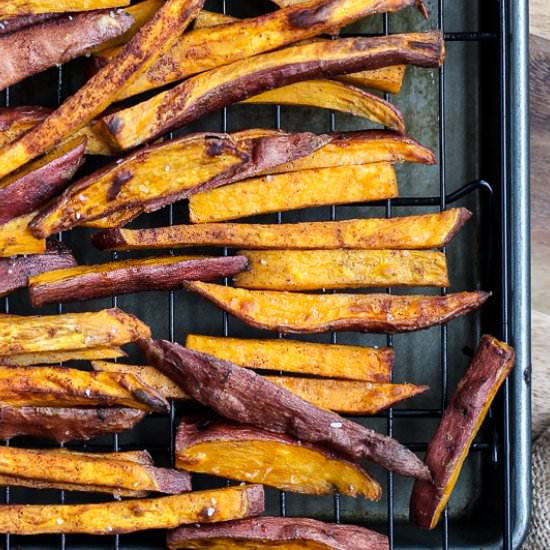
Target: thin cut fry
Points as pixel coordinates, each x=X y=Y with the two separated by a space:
x=291 y=312
x=303 y=189
x=16 y=238
x=13 y=8
x=385 y=79
x=406 y=233
x=318 y=269
x=329 y=360
x=109 y=518
x=53 y=357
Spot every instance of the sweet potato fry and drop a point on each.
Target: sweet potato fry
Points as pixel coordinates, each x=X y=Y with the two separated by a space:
x=249 y=454
x=19 y=22
x=161 y=174
x=248 y=398
x=30 y=187
x=458 y=428
x=34 y=49
x=329 y=360
x=62 y=387
x=411 y=232
x=110 y=473
x=385 y=79
x=229 y=84
x=16 y=238
x=70 y=331
x=66 y=424
x=109 y=518
x=15 y=8
x=15 y=121
x=276 y=532
x=15 y=272
x=307 y=188
x=318 y=269
x=296 y=313
x=337 y=96
x=243 y=39
x=53 y=357
x=126 y=276
x=152 y=40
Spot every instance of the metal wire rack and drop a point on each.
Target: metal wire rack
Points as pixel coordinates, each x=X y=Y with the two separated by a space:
x=503 y=266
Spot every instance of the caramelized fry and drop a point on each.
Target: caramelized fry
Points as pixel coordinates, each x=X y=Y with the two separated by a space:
x=53 y=357
x=16 y=238
x=28 y=7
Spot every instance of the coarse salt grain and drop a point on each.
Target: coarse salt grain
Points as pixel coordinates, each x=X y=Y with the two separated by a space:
x=335 y=424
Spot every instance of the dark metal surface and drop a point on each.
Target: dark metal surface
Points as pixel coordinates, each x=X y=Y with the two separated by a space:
x=473 y=113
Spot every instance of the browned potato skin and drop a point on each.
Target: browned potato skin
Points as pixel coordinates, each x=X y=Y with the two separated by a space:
x=34 y=49
x=226 y=85
x=29 y=188
x=129 y=516
x=69 y=331
x=66 y=424
x=244 y=453
x=15 y=272
x=19 y=22
x=109 y=472
x=123 y=277
x=290 y=312
x=16 y=238
x=277 y=533
x=410 y=232
x=16 y=8
x=47 y=386
x=152 y=40
x=48 y=358
x=458 y=428
x=256 y=401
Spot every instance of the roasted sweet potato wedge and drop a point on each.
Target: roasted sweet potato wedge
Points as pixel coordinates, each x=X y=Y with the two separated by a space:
x=66 y=424
x=126 y=276
x=53 y=357
x=70 y=331
x=243 y=39
x=152 y=40
x=337 y=96
x=19 y=22
x=15 y=121
x=386 y=79
x=109 y=518
x=405 y=233
x=330 y=360
x=297 y=313
x=30 y=187
x=276 y=533
x=64 y=387
x=245 y=453
x=15 y=8
x=307 y=188
x=111 y=473
x=34 y=49
x=16 y=238
x=223 y=86
x=248 y=398
x=458 y=428
x=159 y=175
x=15 y=272
x=318 y=269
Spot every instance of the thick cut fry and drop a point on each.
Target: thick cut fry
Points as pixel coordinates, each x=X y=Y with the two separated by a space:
x=307 y=188
x=411 y=232
x=223 y=86
x=70 y=331
x=15 y=121
x=337 y=96
x=248 y=454
x=66 y=424
x=30 y=187
x=248 y=398
x=243 y=39
x=109 y=518
x=126 y=276
x=34 y=49
x=318 y=269
x=159 y=175
x=63 y=387
x=14 y=8
x=296 y=313
x=53 y=357
x=111 y=473
x=152 y=40
x=276 y=533
x=330 y=360
x=16 y=238
x=15 y=272
x=458 y=428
